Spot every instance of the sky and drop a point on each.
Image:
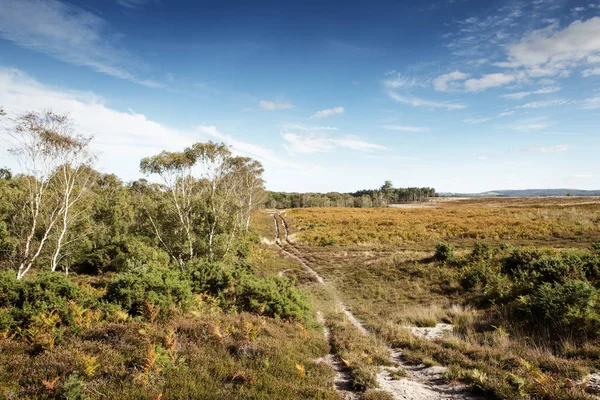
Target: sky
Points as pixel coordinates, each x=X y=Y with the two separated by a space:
x=460 y=95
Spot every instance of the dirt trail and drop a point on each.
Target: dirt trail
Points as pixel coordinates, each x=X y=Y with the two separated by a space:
x=423 y=383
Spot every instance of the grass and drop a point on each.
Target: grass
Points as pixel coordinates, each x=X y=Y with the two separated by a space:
x=570 y=221
x=380 y=262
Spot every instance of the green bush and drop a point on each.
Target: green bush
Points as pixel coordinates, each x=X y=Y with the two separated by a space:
x=444 y=252
x=23 y=300
x=272 y=296
x=211 y=278
x=571 y=305
x=120 y=255
x=135 y=290
x=483 y=251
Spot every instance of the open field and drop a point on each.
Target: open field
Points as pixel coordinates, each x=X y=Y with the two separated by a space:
x=568 y=221
x=383 y=265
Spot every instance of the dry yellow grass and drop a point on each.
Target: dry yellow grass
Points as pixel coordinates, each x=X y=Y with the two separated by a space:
x=562 y=221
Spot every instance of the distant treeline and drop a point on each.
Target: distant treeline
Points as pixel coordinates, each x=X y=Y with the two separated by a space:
x=381 y=197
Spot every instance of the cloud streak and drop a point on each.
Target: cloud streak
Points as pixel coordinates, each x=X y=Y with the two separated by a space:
x=69 y=34
x=305 y=141
x=405 y=128
x=418 y=102
x=328 y=112
x=274 y=105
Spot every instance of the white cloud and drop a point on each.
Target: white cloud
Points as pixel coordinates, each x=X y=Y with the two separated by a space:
x=274 y=105
x=120 y=138
x=475 y=121
x=530 y=124
x=590 y=72
x=398 y=81
x=551 y=51
x=545 y=103
x=488 y=81
x=550 y=149
x=522 y=95
x=316 y=142
x=418 y=102
x=592 y=103
x=70 y=34
x=266 y=156
x=404 y=128
x=449 y=82
x=328 y=112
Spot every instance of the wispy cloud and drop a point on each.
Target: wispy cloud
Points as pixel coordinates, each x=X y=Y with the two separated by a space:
x=274 y=105
x=405 y=128
x=488 y=81
x=263 y=154
x=449 y=82
x=590 y=72
x=475 y=121
x=317 y=141
x=133 y=4
x=70 y=34
x=418 y=102
x=396 y=80
x=592 y=103
x=530 y=124
x=522 y=95
x=546 y=149
x=545 y=103
x=328 y=112
x=120 y=138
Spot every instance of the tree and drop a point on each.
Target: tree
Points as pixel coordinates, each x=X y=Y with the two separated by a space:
x=175 y=170
x=54 y=160
x=211 y=193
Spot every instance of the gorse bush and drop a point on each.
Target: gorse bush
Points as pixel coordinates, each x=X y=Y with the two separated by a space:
x=145 y=286
x=210 y=278
x=272 y=296
x=235 y=288
x=572 y=304
x=24 y=300
x=444 y=252
x=544 y=289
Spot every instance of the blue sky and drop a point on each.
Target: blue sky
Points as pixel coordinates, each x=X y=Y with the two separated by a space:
x=461 y=95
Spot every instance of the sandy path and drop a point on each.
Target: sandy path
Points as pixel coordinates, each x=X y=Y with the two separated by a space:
x=423 y=383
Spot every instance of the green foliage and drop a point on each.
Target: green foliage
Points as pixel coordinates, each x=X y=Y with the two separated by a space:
x=272 y=296
x=544 y=289
x=145 y=287
x=571 y=304
x=27 y=299
x=444 y=252
x=210 y=278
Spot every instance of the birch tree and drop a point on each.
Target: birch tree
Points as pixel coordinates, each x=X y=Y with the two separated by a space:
x=175 y=170
x=45 y=146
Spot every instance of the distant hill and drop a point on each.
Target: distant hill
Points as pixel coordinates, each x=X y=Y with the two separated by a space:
x=527 y=193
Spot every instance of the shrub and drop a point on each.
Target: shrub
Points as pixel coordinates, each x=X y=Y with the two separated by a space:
x=571 y=305
x=43 y=293
x=483 y=251
x=119 y=256
x=444 y=252
x=211 y=278
x=162 y=287
x=272 y=296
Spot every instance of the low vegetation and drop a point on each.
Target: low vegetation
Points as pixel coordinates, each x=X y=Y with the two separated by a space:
x=523 y=304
